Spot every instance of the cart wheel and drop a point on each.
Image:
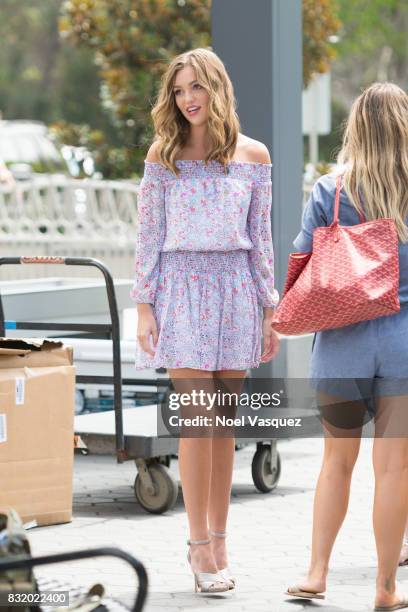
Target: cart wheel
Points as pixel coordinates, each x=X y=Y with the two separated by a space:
x=166 y=490
x=264 y=475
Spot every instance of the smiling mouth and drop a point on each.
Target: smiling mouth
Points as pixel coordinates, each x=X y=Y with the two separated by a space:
x=193 y=110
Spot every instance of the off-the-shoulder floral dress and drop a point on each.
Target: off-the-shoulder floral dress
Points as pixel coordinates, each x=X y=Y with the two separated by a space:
x=204 y=260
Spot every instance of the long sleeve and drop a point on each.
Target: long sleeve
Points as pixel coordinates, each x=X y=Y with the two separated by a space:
x=150 y=235
x=261 y=258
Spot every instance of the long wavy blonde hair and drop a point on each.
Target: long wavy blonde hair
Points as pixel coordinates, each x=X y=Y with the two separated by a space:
x=375 y=152
x=172 y=128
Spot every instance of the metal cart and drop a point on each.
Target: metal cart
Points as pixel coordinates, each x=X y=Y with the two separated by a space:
x=108 y=602
x=155 y=488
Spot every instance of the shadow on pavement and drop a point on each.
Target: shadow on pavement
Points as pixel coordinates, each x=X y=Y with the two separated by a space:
x=120 y=500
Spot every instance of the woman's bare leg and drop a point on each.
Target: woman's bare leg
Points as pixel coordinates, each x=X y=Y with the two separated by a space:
x=390 y=460
x=333 y=486
x=195 y=464
x=223 y=452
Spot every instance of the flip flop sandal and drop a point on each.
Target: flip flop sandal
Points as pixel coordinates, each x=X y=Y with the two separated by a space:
x=295 y=591
x=399 y=606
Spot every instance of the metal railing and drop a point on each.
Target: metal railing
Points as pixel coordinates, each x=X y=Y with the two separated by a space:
x=58 y=216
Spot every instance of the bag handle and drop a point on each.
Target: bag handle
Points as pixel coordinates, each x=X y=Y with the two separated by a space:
x=337 y=202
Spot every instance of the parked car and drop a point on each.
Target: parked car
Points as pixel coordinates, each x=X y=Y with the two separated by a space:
x=27 y=148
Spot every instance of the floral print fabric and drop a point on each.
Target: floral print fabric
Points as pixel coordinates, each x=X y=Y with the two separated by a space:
x=204 y=260
x=207 y=311
x=205 y=209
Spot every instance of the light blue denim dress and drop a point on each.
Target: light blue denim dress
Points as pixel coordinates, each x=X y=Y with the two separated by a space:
x=373 y=353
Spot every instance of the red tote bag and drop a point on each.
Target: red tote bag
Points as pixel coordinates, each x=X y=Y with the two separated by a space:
x=351 y=275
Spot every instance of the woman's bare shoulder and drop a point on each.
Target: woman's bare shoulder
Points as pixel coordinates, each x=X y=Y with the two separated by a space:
x=152 y=154
x=251 y=150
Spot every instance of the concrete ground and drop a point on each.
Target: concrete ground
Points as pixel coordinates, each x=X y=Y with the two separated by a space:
x=268 y=537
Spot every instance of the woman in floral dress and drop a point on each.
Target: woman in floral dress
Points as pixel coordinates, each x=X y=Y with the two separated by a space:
x=204 y=284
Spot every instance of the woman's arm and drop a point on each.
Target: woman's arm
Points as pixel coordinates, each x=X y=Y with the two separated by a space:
x=261 y=257
x=315 y=214
x=150 y=234
x=149 y=241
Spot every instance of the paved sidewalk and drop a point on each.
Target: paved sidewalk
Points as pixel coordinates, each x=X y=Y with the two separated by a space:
x=269 y=537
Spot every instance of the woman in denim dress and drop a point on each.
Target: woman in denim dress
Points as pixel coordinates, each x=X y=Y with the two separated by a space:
x=367 y=360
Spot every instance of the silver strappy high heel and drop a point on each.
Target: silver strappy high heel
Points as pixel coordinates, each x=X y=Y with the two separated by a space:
x=225 y=573
x=205 y=582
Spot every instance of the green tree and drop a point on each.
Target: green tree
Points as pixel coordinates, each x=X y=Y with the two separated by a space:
x=373 y=45
x=40 y=77
x=28 y=45
x=320 y=23
x=103 y=72
x=133 y=40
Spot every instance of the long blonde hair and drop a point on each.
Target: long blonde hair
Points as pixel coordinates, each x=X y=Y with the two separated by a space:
x=172 y=128
x=375 y=152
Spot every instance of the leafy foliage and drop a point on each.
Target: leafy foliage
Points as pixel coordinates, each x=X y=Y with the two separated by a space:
x=112 y=161
x=374 y=44
x=40 y=77
x=319 y=24
x=133 y=41
x=27 y=48
x=102 y=68
x=372 y=47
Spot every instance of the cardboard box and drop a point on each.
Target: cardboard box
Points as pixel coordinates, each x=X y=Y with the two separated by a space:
x=37 y=399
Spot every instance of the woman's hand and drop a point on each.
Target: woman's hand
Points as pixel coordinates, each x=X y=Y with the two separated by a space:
x=270 y=336
x=146 y=327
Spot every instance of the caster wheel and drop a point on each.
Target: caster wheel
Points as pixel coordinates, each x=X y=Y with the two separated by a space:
x=265 y=475
x=165 y=494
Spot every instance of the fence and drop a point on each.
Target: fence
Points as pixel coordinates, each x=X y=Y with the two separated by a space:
x=56 y=215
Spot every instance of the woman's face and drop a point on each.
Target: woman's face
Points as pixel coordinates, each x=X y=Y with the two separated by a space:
x=191 y=98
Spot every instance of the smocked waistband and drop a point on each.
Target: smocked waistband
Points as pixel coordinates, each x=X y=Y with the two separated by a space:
x=205 y=261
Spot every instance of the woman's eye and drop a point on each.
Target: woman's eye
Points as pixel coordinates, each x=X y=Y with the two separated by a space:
x=197 y=86
x=177 y=92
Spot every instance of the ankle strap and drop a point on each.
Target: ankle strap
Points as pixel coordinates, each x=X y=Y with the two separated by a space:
x=218 y=534
x=190 y=542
